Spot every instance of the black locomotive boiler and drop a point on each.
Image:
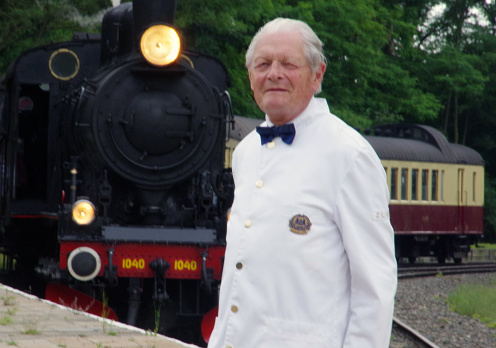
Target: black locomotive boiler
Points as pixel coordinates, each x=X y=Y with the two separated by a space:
x=112 y=153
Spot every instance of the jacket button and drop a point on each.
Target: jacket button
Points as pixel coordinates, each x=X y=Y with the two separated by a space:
x=248 y=223
x=239 y=265
x=234 y=309
x=259 y=183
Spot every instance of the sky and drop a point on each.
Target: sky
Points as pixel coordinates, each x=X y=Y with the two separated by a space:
x=438 y=10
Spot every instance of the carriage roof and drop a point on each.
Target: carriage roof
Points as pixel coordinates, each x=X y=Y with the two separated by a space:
x=402 y=142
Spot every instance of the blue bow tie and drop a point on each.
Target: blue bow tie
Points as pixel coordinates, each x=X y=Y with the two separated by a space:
x=286 y=132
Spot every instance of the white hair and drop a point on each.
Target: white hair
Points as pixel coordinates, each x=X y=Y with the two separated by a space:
x=313 y=47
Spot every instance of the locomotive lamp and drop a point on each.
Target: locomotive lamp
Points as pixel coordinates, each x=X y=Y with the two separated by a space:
x=83 y=212
x=160 y=45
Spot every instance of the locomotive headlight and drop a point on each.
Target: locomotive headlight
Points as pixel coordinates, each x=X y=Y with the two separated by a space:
x=83 y=212
x=160 y=45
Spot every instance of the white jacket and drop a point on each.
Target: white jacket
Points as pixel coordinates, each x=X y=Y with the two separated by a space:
x=331 y=281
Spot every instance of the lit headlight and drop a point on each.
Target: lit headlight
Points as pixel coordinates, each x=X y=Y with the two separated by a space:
x=160 y=45
x=83 y=212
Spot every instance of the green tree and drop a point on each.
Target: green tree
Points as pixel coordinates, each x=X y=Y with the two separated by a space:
x=462 y=63
x=364 y=83
x=455 y=78
x=224 y=30
x=453 y=73
x=368 y=55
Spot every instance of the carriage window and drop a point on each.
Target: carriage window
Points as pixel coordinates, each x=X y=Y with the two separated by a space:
x=404 y=183
x=394 y=180
x=425 y=176
x=442 y=185
x=434 y=185
x=414 y=184
x=473 y=186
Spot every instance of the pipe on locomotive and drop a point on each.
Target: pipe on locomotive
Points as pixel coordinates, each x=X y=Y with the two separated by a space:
x=159 y=43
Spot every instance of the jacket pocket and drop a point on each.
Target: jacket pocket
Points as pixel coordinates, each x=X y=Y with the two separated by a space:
x=296 y=334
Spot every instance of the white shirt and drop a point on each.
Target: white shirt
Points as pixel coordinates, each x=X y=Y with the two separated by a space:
x=332 y=284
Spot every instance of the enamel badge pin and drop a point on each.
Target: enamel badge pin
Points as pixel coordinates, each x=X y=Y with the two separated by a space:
x=300 y=224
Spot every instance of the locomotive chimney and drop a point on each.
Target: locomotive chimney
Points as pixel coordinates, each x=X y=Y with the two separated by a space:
x=148 y=12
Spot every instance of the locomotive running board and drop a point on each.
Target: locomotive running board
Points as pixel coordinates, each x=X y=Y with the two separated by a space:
x=157 y=235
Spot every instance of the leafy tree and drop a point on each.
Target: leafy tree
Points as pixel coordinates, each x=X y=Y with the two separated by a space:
x=90 y=7
x=363 y=84
x=224 y=30
x=481 y=131
x=490 y=210
x=454 y=77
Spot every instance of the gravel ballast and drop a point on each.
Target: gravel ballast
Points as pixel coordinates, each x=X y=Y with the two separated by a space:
x=421 y=304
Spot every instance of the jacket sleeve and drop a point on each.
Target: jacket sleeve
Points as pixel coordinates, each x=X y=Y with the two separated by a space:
x=362 y=215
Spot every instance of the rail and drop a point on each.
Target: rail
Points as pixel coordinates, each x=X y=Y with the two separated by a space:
x=412 y=334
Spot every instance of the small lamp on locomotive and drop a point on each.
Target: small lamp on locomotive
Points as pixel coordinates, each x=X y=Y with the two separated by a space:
x=83 y=212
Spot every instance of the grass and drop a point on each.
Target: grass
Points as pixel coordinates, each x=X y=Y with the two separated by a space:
x=475 y=300
x=8 y=300
x=483 y=246
x=6 y=320
x=31 y=332
x=158 y=308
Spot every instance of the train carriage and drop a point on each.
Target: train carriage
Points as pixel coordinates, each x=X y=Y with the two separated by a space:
x=436 y=189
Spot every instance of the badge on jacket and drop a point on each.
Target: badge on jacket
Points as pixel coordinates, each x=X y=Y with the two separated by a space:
x=300 y=224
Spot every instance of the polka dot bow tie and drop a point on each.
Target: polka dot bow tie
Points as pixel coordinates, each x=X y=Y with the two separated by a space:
x=286 y=132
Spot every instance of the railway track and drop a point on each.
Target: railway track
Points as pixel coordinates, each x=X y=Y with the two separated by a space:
x=410 y=337
x=430 y=270
x=414 y=338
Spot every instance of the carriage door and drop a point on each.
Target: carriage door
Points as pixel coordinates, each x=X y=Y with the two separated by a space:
x=462 y=197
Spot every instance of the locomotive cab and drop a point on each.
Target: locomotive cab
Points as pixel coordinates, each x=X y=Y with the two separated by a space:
x=29 y=156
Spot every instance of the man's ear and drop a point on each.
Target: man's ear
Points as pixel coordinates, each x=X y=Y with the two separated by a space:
x=249 y=77
x=319 y=74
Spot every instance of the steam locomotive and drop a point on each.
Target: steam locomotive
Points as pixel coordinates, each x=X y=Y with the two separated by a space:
x=113 y=186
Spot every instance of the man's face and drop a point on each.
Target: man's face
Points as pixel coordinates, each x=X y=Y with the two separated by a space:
x=280 y=78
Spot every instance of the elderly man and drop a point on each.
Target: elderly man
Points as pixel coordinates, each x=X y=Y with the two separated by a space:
x=310 y=249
